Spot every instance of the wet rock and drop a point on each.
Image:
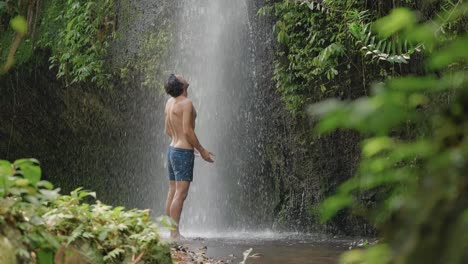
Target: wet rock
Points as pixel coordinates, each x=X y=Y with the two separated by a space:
x=183 y=254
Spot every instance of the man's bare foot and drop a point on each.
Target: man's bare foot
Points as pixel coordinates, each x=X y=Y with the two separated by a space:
x=175 y=235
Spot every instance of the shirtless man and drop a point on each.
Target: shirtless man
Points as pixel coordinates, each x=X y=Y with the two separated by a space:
x=180 y=125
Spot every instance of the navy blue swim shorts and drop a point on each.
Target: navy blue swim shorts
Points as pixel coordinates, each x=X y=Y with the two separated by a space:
x=180 y=163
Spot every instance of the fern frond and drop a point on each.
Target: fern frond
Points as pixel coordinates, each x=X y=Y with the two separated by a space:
x=393 y=51
x=317 y=5
x=114 y=254
x=75 y=234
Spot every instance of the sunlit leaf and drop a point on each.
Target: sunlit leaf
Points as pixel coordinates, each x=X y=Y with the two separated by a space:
x=50 y=194
x=399 y=19
x=45 y=184
x=30 y=169
x=5 y=168
x=22 y=182
x=373 y=146
x=19 y=24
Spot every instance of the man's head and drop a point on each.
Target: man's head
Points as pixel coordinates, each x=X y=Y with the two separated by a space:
x=176 y=85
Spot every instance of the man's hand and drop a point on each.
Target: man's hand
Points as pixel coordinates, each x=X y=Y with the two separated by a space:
x=206 y=155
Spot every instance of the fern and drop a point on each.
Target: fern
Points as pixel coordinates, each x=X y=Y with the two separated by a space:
x=75 y=234
x=322 y=61
x=445 y=17
x=316 y=5
x=114 y=254
x=394 y=51
x=323 y=6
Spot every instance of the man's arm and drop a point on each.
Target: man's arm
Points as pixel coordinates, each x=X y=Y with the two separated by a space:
x=187 y=123
x=188 y=127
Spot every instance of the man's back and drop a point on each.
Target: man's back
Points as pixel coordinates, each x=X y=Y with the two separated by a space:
x=178 y=109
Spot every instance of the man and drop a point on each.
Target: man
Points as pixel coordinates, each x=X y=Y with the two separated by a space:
x=180 y=125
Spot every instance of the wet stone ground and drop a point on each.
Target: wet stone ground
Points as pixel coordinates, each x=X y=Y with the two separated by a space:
x=259 y=251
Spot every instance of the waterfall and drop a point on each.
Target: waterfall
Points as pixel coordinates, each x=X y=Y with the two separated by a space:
x=213 y=50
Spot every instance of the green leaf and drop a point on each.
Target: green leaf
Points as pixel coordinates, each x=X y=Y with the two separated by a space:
x=21 y=182
x=399 y=19
x=412 y=83
x=75 y=234
x=45 y=184
x=30 y=169
x=167 y=222
x=45 y=257
x=376 y=145
x=103 y=234
x=19 y=24
x=50 y=194
x=5 y=168
x=83 y=194
x=333 y=204
x=114 y=254
x=455 y=52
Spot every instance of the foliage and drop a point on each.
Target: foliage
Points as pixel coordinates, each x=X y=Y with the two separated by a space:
x=422 y=207
x=322 y=44
x=79 y=42
x=120 y=236
x=22 y=199
x=19 y=28
x=42 y=224
x=76 y=31
x=15 y=26
x=312 y=52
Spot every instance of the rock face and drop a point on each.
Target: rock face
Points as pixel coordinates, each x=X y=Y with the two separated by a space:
x=113 y=141
x=298 y=168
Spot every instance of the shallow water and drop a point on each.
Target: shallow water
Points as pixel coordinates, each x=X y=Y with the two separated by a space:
x=270 y=248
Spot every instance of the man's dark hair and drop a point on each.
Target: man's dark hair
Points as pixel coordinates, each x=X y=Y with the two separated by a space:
x=174 y=87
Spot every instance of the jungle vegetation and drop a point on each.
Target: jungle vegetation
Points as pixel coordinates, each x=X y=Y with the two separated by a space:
x=395 y=71
x=37 y=223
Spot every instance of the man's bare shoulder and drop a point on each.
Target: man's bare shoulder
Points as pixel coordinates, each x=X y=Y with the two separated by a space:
x=168 y=103
x=187 y=103
x=169 y=100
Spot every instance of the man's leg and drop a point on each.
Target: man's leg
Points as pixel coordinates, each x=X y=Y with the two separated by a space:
x=170 y=197
x=181 y=193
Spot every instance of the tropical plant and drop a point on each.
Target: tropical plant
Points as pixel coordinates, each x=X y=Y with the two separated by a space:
x=415 y=152
x=106 y=234
x=79 y=42
x=23 y=197
x=39 y=225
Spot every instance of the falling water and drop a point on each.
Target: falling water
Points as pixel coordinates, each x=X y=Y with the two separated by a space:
x=214 y=51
